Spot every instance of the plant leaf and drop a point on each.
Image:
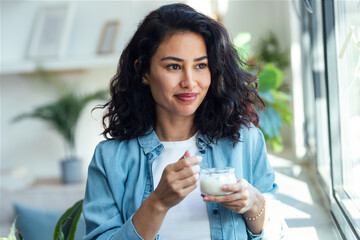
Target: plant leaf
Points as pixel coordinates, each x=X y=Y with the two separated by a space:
x=270 y=78
x=61 y=234
x=280 y=96
x=242 y=44
x=270 y=122
x=19 y=235
x=11 y=235
x=283 y=110
x=276 y=144
x=64 y=113
x=267 y=96
x=268 y=49
x=67 y=223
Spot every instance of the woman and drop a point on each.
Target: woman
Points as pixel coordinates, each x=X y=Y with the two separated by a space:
x=179 y=100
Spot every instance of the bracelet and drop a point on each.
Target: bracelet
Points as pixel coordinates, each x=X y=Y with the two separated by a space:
x=258 y=215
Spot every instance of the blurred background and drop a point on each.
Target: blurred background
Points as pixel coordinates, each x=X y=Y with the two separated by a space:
x=58 y=57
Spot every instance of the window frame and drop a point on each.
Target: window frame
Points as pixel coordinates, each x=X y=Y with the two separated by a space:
x=336 y=196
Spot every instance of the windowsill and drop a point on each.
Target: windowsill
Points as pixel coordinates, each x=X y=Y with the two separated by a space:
x=303 y=208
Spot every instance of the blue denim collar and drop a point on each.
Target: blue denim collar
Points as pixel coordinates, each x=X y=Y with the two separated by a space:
x=150 y=141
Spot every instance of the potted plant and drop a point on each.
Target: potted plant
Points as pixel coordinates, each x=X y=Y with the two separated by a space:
x=270 y=84
x=65 y=227
x=14 y=233
x=67 y=224
x=62 y=115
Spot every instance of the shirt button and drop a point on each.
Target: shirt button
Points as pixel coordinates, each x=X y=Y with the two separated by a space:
x=215 y=211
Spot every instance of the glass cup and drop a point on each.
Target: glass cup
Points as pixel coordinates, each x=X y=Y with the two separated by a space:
x=212 y=180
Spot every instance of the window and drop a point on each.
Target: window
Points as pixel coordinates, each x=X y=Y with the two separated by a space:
x=347 y=34
x=334 y=50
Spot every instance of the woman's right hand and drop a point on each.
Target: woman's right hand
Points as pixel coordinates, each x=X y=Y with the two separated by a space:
x=178 y=180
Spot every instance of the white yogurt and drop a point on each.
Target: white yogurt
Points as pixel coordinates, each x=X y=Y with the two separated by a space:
x=212 y=180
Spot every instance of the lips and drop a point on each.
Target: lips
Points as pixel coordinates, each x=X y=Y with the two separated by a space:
x=187 y=97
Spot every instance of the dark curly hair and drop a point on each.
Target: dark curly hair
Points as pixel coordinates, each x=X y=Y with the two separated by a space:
x=230 y=101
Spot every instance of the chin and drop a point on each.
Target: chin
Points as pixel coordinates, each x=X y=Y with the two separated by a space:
x=187 y=113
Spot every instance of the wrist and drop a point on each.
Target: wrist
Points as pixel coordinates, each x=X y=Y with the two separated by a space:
x=156 y=204
x=257 y=209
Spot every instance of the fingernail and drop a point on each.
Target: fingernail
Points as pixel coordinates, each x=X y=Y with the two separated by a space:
x=199 y=158
x=195 y=168
x=206 y=198
x=197 y=176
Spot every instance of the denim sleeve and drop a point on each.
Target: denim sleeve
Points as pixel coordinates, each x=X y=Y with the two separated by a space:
x=253 y=236
x=263 y=175
x=102 y=217
x=264 y=181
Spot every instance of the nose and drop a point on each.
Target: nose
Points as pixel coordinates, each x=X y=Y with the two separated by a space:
x=188 y=80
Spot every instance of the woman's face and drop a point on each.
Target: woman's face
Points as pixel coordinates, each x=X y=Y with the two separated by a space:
x=179 y=76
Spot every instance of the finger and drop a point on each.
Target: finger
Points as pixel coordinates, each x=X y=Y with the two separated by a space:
x=186 y=154
x=188 y=172
x=186 y=182
x=185 y=191
x=186 y=162
x=240 y=186
x=226 y=198
x=238 y=208
x=237 y=204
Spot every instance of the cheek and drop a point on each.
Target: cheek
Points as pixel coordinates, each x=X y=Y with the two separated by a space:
x=160 y=86
x=206 y=81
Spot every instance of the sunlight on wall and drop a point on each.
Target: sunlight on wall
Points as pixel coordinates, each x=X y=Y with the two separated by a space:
x=203 y=6
x=298 y=105
x=301 y=206
x=303 y=233
x=210 y=7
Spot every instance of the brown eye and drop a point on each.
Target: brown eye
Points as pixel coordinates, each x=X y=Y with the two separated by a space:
x=201 y=66
x=174 y=67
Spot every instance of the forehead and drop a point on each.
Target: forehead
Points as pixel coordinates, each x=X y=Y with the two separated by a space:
x=182 y=43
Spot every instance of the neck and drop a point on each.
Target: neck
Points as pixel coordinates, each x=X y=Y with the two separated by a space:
x=175 y=130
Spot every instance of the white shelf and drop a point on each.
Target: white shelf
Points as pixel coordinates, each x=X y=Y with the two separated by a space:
x=30 y=66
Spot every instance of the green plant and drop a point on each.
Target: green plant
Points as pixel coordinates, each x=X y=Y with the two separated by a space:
x=63 y=115
x=13 y=233
x=268 y=51
x=66 y=226
x=270 y=58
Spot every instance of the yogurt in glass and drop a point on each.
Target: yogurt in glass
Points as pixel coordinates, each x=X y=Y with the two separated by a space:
x=212 y=180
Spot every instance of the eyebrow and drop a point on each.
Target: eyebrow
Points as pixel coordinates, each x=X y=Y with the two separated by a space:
x=181 y=60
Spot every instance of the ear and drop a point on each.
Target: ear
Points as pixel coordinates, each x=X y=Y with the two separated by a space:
x=136 y=65
x=145 y=79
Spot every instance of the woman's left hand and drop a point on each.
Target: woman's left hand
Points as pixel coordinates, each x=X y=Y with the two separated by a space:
x=243 y=199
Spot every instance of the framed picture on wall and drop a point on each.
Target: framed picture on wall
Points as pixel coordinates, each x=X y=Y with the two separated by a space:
x=108 y=38
x=50 y=31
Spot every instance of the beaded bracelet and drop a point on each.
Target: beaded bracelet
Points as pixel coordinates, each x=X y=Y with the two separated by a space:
x=258 y=215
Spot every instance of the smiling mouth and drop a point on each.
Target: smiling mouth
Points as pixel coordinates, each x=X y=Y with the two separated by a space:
x=187 y=97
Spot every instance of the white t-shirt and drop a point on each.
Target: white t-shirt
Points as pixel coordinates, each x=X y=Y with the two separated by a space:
x=188 y=219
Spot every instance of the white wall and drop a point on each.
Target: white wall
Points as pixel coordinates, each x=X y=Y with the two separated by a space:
x=30 y=149
x=30 y=145
x=18 y=19
x=259 y=17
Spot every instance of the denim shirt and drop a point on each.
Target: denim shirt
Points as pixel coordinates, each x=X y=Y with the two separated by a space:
x=120 y=179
